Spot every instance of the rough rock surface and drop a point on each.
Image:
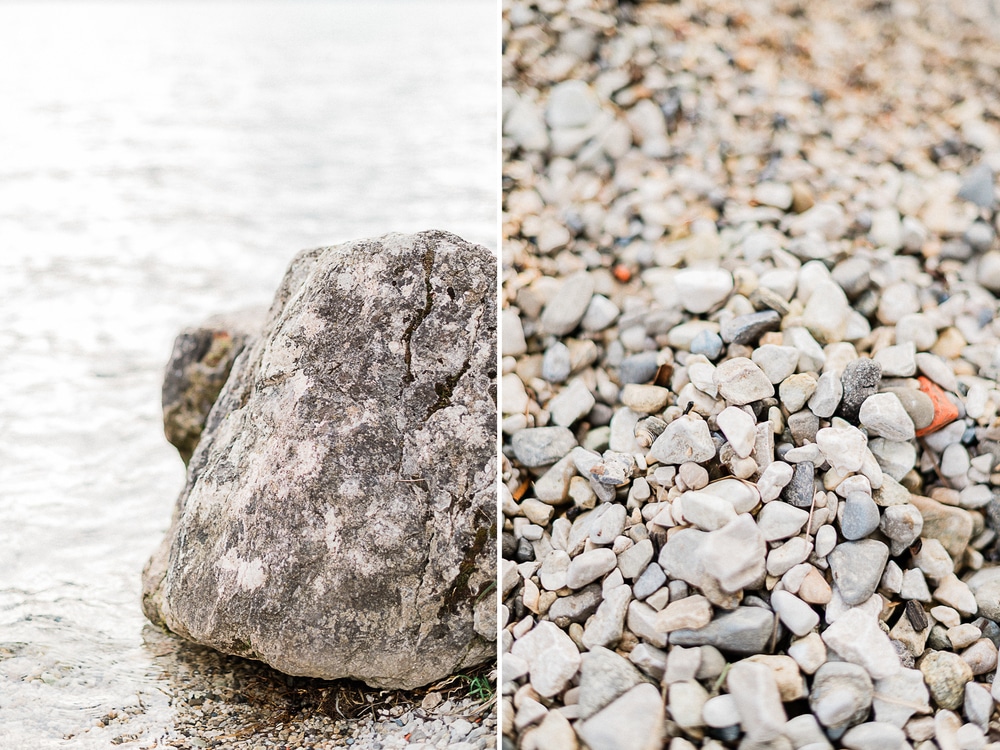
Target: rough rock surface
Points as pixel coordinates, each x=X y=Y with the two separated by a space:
x=199 y=366
x=337 y=519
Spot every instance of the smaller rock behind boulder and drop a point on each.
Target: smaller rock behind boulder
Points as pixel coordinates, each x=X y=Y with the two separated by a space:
x=199 y=366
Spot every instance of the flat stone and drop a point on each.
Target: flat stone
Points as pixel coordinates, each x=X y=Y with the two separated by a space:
x=707 y=343
x=685 y=439
x=601 y=313
x=841 y=694
x=873 y=735
x=634 y=721
x=795 y=390
x=915 y=586
x=897 y=361
x=894 y=459
x=604 y=676
x=758 y=702
x=590 y=566
x=691 y=612
x=640 y=620
x=811 y=356
x=706 y=511
x=857 y=638
x=564 y=311
x=552 y=573
x=739 y=428
x=860 y=380
x=576 y=607
x=541 y=446
x=645 y=399
x=744 y=630
x=945 y=674
x=784 y=557
x=857 y=568
x=955 y=461
x=605 y=628
x=883 y=414
x=553 y=659
x=937 y=370
x=777 y=362
x=701 y=289
x=778 y=520
x=638 y=368
x=747 y=329
x=651 y=580
x=808 y=652
x=734 y=555
x=899 y=696
x=860 y=517
x=686 y=701
x=633 y=561
x=740 y=381
x=572 y=403
x=826 y=398
x=797 y=616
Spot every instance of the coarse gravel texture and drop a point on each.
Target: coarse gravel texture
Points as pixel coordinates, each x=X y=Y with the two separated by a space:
x=220 y=701
x=749 y=390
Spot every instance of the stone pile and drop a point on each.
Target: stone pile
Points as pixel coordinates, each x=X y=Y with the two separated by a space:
x=750 y=358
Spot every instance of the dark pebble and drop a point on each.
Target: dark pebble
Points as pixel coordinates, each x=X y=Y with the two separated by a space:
x=860 y=380
x=747 y=329
x=799 y=491
x=639 y=368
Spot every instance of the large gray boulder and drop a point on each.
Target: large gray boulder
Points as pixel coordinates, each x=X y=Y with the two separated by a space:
x=338 y=518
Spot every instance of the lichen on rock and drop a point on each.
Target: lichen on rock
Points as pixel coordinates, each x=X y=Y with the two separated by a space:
x=338 y=516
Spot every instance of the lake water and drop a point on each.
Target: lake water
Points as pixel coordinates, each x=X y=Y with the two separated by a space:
x=161 y=162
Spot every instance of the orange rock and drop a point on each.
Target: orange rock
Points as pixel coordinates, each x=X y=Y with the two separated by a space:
x=622 y=273
x=945 y=412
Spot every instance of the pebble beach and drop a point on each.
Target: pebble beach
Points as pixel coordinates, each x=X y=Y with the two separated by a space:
x=749 y=390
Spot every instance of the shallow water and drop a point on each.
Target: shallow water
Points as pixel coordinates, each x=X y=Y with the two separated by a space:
x=161 y=162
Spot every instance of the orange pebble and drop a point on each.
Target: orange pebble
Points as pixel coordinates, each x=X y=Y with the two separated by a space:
x=622 y=273
x=945 y=411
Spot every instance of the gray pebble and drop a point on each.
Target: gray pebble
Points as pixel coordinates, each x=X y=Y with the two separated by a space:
x=564 y=311
x=638 y=368
x=917 y=404
x=860 y=516
x=556 y=363
x=744 y=630
x=541 y=446
x=977 y=186
x=747 y=329
x=799 y=491
x=707 y=343
x=857 y=568
x=860 y=380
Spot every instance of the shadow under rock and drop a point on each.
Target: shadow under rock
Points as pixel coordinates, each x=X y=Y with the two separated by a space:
x=255 y=699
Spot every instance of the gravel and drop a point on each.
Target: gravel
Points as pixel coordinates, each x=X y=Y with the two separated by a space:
x=763 y=238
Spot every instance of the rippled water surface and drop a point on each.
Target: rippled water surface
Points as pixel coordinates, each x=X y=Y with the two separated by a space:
x=160 y=162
